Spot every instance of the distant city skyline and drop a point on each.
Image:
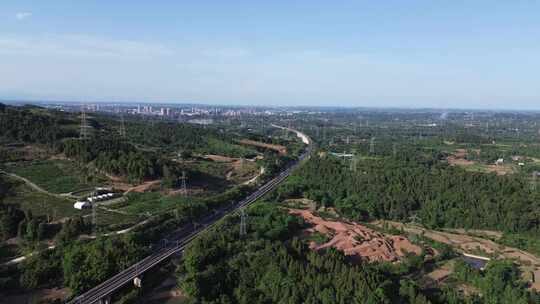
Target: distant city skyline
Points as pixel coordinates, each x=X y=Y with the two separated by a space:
x=413 y=54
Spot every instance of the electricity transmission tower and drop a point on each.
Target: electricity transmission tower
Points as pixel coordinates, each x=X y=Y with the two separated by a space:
x=84 y=126
x=354 y=163
x=183 y=191
x=394 y=149
x=372 y=145
x=243 y=222
x=414 y=219
x=94 y=218
x=122 y=126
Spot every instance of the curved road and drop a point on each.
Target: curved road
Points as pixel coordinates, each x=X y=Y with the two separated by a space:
x=181 y=238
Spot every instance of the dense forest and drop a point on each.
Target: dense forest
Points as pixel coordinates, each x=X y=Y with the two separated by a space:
x=27 y=125
x=266 y=268
x=138 y=156
x=272 y=265
x=422 y=186
x=115 y=156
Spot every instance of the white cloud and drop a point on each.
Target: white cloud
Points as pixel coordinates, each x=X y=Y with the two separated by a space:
x=23 y=15
x=80 y=45
x=227 y=53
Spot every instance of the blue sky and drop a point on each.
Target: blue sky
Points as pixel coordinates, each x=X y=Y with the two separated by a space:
x=477 y=54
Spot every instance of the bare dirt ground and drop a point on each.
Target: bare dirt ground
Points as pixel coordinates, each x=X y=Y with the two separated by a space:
x=27 y=152
x=476 y=245
x=458 y=158
x=32 y=297
x=278 y=148
x=441 y=273
x=477 y=232
x=500 y=170
x=455 y=161
x=357 y=240
x=167 y=290
x=189 y=190
x=144 y=187
x=220 y=158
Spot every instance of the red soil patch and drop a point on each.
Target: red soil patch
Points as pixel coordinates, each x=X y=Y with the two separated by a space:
x=454 y=161
x=357 y=240
x=500 y=170
x=458 y=158
x=146 y=186
x=460 y=153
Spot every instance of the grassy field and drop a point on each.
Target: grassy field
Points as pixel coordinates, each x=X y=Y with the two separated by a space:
x=56 y=176
x=110 y=221
x=41 y=203
x=215 y=169
x=152 y=202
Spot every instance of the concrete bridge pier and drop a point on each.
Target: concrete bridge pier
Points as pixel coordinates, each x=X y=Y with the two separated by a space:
x=105 y=300
x=137 y=282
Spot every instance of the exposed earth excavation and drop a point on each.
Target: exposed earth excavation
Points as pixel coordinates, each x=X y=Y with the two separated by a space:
x=357 y=240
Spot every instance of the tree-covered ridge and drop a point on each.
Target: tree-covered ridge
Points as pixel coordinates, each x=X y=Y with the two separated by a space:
x=115 y=156
x=168 y=134
x=440 y=195
x=33 y=126
x=272 y=265
x=268 y=267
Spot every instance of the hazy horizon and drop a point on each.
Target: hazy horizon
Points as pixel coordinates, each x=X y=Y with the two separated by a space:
x=418 y=54
x=216 y=104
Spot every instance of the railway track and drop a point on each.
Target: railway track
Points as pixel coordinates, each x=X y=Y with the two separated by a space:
x=178 y=241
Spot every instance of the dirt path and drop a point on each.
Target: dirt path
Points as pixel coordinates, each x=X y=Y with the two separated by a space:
x=34 y=186
x=254 y=179
x=20 y=259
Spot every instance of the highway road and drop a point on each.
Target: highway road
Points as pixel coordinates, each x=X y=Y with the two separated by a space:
x=177 y=242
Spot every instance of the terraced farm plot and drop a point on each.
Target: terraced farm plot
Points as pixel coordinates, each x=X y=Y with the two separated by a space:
x=55 y=176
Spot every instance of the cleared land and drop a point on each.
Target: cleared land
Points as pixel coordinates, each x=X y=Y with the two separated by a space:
x=278 y=148
x=56 y=176
x=459 y=158
x=476 y=245
x=356 y=240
